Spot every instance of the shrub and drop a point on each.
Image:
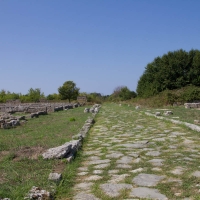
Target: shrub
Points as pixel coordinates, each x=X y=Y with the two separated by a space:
x=72 y=119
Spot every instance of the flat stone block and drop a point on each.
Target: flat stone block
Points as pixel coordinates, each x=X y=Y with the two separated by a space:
x=147 y=179
x=144 y=192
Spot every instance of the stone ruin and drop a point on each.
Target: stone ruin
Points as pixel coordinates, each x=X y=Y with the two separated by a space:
x=8 y=121
x=30 y=110
x=67 y=150
x=192 y=105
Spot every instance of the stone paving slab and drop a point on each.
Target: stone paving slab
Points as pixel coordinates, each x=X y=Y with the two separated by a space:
x=85 y=196
x=147 y=179
x=113 y=190
x=144 y=192
x=129 y=155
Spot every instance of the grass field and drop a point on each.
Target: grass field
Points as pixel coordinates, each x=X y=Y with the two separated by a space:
x=180 y=113
x=21 y=164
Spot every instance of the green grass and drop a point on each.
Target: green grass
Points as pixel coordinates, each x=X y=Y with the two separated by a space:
x=47 y=131
x=179 y=113
x=21 y=164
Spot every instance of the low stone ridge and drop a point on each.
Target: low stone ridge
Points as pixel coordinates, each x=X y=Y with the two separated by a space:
x=36 y=107
x=192 y=105
x=189 y=125
x=63 y=150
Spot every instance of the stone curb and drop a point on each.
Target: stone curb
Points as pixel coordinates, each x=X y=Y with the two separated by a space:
x=189 y=125
x=68 y=151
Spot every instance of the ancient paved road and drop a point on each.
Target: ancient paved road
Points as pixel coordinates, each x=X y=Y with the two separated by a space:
x=132 y=156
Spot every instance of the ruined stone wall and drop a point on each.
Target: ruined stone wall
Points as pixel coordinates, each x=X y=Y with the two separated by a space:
x=12 y=107
x=192 y=105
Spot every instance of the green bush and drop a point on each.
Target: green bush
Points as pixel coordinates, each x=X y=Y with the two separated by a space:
x=72 y=119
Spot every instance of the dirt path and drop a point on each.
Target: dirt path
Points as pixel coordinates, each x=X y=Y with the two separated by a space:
x=133 y=156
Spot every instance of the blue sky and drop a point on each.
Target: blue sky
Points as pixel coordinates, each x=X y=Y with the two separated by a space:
x=98 y=44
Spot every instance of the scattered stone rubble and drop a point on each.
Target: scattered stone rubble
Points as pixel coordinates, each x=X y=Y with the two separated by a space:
x=39 y=194
x=93 y=109
x=166 y=113
x=8 y=121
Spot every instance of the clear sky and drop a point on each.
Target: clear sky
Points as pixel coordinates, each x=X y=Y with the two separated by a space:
x=98 y=44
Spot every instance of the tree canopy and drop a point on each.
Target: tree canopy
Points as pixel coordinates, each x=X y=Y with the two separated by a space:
x=122 y=93
x=173 y=70
x=68 y=91
x=34 y=95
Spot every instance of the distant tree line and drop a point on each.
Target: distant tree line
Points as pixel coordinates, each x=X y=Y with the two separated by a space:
x=33 y=95
x=68 y=91
x=173 y=70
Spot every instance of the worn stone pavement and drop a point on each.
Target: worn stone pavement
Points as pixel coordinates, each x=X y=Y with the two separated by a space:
x=129 y=155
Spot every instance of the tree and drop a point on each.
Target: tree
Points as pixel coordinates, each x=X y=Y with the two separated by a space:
x=34 y=95
x=68 y=91
x=122 y=93
x=53 y=96
x=173 y=70
x=4 y=96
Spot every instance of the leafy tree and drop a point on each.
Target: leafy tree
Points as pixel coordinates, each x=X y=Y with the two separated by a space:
x=53 y=96
x=68 y=91
x=4 y=96
x=122 y=93
x=34 y=95
x=173 y=70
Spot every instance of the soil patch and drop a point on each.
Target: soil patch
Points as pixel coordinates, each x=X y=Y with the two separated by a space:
x=28 y=152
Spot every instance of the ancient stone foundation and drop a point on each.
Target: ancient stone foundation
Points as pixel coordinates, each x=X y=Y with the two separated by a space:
x=30 y=110
x=192 y=105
